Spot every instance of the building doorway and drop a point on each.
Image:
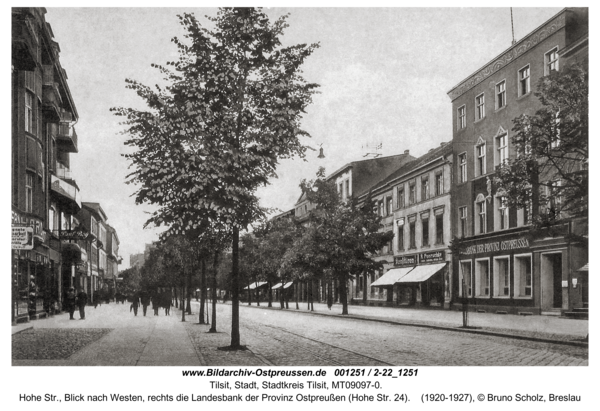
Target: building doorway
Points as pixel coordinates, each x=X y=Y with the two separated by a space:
x=551 y=276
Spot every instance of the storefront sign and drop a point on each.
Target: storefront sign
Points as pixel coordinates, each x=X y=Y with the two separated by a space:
x=25 y=221
x=496 y=246
x=405 y=260
x=432 y=257
x=22 y=238
x=73 y=235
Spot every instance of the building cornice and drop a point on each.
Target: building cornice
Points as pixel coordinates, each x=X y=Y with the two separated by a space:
x=544 y=31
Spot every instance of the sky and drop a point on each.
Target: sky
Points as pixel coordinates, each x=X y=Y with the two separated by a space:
x=384 y=74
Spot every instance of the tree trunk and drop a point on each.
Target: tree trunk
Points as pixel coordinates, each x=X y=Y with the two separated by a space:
x=297 y=291
x=249 y=294
x=312 y=296
x=270 y=305
x=281 y=295
x=182 y=302
x=343 y=297
x=257 y=296
x=365 y=288
x=235 y=298
x=202 y=290
x=213 y=293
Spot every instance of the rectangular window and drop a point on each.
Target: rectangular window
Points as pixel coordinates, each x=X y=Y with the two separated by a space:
x=481 y=217
x=400 y=198
x=462 y=117
x=523 y=279
x=29 y=111
x=466 y=279
x=439 y=229
x=347 y=188
x=412 y=193
x=555 y=199
x=501 y=213
x=411 y=235
x=500 y=95
x=502 y=147
x=463 y=221
x=551 y=61
x=482 y=278
x=29 y=192
x=401 y=237
x=424 y=188
x=502 y=277
x=480 y=160
x=425 y=227
x=381 y=210
x=389 y=206
x=462 y=164
x=524 y=85
x=480 y=107
x=439 y=184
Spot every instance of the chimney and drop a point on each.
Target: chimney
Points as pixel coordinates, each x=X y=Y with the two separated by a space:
x=406 y=152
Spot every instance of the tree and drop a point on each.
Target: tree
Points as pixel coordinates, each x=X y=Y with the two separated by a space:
x=215 y=133
x=341 y=237
x=549 y=174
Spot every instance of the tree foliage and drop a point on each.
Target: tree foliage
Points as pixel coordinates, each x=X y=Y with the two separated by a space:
x=549 y=174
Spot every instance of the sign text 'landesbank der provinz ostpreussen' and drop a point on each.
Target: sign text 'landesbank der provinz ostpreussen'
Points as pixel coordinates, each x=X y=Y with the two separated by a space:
x=496 y=246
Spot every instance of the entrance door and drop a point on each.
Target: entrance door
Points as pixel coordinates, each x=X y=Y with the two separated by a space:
x=551 y=275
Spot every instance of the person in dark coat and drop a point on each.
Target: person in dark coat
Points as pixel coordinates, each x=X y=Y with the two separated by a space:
x=154 y=296
x=81 y=302
x=70 y=298
x=135 y=302
x=166 y=301
x=145 y=300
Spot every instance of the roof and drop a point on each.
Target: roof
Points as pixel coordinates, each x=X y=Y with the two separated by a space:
x=443 y=150
x=96 y=208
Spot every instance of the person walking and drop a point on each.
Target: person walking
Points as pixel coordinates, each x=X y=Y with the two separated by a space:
x=154 y=296
x=70 y=298
x=81 y=302
x=145 y=300
x=135 y=302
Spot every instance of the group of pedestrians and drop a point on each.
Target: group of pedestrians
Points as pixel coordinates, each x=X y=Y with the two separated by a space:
x=157 y=299
x=73 y=300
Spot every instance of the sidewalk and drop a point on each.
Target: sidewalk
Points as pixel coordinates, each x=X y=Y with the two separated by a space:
x=121 y=338
x=534 y=328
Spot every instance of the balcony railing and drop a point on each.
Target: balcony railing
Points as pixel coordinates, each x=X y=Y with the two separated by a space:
x=63 y=172
x=67 y=137
x=66 y=190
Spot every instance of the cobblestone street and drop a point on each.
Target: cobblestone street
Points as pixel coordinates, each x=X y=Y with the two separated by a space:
x=111 y=335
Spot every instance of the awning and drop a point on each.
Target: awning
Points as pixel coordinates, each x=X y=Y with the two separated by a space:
x=391 y=277
x=278 y=285
x=422 y=273
x=255 y=285
x=584 y=268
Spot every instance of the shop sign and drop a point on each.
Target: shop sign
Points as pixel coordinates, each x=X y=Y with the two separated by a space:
x=73 y=235
x=22 y=238
x=432 y=257
x=497 y=246
x=405 y=260
x=25 y=221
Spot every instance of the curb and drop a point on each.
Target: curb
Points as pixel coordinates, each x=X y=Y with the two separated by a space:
x=28 y=327
x=437 y=327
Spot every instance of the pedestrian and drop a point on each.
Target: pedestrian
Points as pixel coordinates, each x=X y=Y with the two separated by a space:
x=155 y=301
x=145 y=300
x=70 y=298
x=135 y=302
x=81 y=302
x=166 y=301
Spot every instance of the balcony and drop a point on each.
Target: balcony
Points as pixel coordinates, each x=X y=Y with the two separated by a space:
x=67 y=138
x=66 y=193
x=51 y=99
x=63 y=172
x=24 y=44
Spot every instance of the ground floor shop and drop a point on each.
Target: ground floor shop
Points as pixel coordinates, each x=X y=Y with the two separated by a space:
x=515 y=273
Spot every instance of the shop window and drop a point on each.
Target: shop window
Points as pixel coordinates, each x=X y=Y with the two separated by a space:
x=466 y=279
x=482 y=278
x=523 y=278
x=502 y=277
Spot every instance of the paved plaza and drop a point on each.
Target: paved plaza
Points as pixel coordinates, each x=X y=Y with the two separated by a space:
x=370 y=336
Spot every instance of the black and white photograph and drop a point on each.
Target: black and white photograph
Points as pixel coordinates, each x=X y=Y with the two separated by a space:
x=308 y=205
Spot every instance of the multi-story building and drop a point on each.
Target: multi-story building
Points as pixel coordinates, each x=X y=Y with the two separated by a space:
x=500 y=266
x=351 y=180
x=414 y=202
x=44 y=196
x=113 y=259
